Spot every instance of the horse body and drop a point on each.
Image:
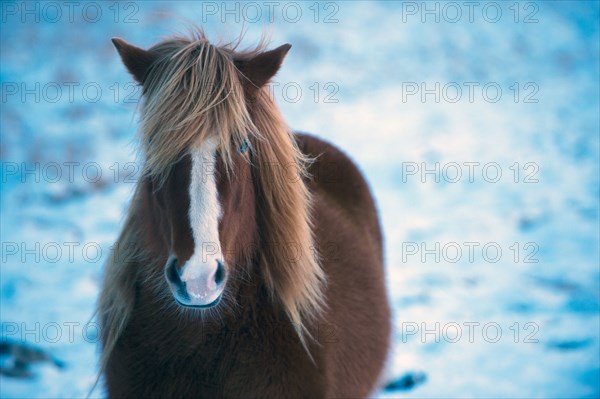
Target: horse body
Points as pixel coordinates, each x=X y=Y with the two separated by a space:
x=249 y=344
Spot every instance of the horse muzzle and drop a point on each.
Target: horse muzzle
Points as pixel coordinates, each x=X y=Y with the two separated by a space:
x=197 y=285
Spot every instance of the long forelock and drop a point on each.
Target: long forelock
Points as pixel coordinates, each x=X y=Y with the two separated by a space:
x=191 y=92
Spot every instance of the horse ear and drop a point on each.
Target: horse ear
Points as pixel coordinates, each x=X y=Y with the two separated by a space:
x=136 y=60
x=264 y=66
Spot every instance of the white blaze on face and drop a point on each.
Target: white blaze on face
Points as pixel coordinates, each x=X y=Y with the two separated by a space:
x=205 y=213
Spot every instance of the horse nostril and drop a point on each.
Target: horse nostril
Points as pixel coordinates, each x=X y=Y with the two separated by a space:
x=172 y=273
x=220 y=273
x=174 y=279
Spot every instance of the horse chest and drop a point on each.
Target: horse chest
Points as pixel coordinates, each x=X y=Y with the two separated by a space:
x=252 y=362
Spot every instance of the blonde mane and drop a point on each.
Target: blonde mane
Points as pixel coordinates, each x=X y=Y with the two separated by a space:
x=191 y=92
x=194 y=91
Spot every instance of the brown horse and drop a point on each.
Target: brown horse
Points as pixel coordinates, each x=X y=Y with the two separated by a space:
x=250 y=263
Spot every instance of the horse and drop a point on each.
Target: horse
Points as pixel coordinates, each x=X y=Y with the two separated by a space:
x=250 y=262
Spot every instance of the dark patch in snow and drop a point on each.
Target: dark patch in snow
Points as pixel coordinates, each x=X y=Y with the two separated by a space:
x=521 y=307
x=414 y=300
x=16 y=358
x=570 y=345
x=407 y=382
x=528 y=223
x=583 y=302
x=557 y=284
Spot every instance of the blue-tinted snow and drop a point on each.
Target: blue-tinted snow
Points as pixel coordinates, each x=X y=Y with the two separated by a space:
x=371 y=56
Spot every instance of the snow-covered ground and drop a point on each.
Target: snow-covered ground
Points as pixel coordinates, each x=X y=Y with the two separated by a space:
x=476 y=123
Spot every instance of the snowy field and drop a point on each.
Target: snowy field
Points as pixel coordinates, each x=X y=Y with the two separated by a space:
x=476 y=123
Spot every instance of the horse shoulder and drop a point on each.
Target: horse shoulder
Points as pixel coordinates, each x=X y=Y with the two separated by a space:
x=355 y=330
x=334 y=176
